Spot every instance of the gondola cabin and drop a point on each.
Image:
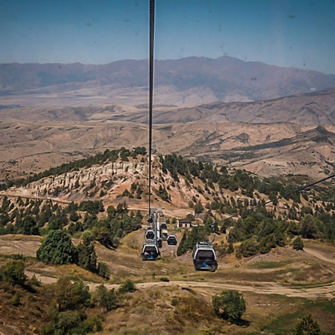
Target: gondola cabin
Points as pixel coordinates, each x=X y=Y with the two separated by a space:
x=163 y=225
x=204 y=257
x=171 y=239
x=149 y=234
x=150 y=252
x=164 y=234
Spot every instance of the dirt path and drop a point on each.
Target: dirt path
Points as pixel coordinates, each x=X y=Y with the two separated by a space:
x=318 y=255
x=326 y=291
x=28 y=245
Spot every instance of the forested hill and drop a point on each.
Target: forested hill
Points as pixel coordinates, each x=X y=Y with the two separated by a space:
x=207 y=193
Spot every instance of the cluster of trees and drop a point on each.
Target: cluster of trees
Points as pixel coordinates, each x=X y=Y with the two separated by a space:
x=69 y=313
x=57 y=248
x=37 y=217
x=13 y=273
x=260 y=231
x=234 y=180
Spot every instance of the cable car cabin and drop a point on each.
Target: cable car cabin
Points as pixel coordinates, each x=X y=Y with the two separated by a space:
x=164 y=234
x=204 y=257
x=149 y=234
x=163 y=225
x=150 y=252
x=171 y=239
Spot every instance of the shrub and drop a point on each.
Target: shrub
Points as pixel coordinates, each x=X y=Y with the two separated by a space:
x=127 y=286
x=13 y=273
x=229 y=305
x=307 y=326
x=247 y=248
x=103 y=270
x=298 y=244
x=108 y=299
x=230 y=249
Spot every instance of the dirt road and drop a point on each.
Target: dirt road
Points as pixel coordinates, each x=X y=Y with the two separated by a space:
x=319 y=255
x=326 y=291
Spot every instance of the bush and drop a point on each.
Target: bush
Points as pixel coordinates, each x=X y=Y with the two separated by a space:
x=298 y=244
x=103 y=270
x=230 y=249
x=247 y=248
x=307 y=326
x=127 y=286
x=229 y=305
x=13 y=273
x=108 y=299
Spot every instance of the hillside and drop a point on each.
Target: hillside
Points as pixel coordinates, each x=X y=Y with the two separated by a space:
x=99 y=195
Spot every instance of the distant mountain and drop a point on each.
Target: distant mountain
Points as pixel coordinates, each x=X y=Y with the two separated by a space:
x=188 y=81
x=316 y=108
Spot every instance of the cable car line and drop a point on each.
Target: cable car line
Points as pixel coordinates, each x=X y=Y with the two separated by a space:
x=151 y=84
x=152 y=240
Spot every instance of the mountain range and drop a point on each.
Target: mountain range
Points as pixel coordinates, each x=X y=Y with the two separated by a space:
x=184 y=82
x=282 y=120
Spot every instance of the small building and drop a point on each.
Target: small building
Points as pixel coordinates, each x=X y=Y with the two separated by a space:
x=184 y=223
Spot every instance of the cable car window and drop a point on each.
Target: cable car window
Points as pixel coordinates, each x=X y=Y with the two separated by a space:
x=205 y=254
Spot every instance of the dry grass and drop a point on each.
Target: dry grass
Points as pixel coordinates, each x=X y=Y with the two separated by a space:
x=185 y=307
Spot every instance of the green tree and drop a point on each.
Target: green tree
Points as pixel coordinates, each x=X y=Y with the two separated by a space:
x=198 y=208
x=229 y=305
x=182 y=245
x=309 y=228
x=66 y=294
x=87 y=257
x=307 y=326
x=57 y=248
x=29 y=226
x=103 y=270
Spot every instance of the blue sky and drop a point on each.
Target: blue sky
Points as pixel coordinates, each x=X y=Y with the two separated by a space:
x=298 y=33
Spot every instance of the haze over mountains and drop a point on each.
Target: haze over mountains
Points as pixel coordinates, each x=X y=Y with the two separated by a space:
x=184 y=82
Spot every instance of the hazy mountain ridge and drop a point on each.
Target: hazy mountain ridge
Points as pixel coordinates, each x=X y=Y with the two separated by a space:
x=188 y=81
x=317 y=108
